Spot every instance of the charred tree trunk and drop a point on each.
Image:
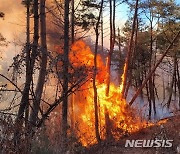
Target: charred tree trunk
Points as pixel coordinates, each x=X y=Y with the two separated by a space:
x=27 y=53
x=27 y=73
x=72 y=21
x=94 y=78
x=120 y=55
x=102 y=33
x=108 y=125
x=65 y=75
x=72 y=41
x=43 y=65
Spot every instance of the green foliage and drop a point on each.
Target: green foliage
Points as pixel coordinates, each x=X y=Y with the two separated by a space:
x=166 y=33
x=85 y=16
x=168 y=10
x=91 y=3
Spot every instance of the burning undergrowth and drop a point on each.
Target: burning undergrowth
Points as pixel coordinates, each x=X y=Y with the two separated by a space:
x=116 y=118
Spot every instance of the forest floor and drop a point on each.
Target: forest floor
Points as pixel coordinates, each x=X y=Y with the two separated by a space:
x=166 y=131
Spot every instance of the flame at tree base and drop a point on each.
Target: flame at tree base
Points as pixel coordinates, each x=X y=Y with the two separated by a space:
x=116 y=118
x=121 y=118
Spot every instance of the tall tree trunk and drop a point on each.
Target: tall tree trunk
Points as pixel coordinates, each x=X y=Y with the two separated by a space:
x=27 y=53
x=102 y=33
x=94 y=77
x=129 y=54
x=43 y=65
x=178 y=81
x=30 y=60
x=72 y=21
x=112 y=42
x=65 y=74
x=132 y=61
x=27 y=73
x=108 y=125
x=72 y=41
x=172 y=81
x=164 y=89
x=140 y=73
x=151 y=85
x=120 y=55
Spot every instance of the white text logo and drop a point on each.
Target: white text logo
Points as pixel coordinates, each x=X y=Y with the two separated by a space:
x=149 y=143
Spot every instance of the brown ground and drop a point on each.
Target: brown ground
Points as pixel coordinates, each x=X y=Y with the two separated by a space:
x=169 y=130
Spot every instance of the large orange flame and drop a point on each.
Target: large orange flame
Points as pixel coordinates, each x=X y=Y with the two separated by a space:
x=114 y=113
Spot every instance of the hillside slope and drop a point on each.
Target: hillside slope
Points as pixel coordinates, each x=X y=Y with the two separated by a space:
x=170 y=130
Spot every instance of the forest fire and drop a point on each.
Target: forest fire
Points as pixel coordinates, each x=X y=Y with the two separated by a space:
x=116 y=118
x=83 y=77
